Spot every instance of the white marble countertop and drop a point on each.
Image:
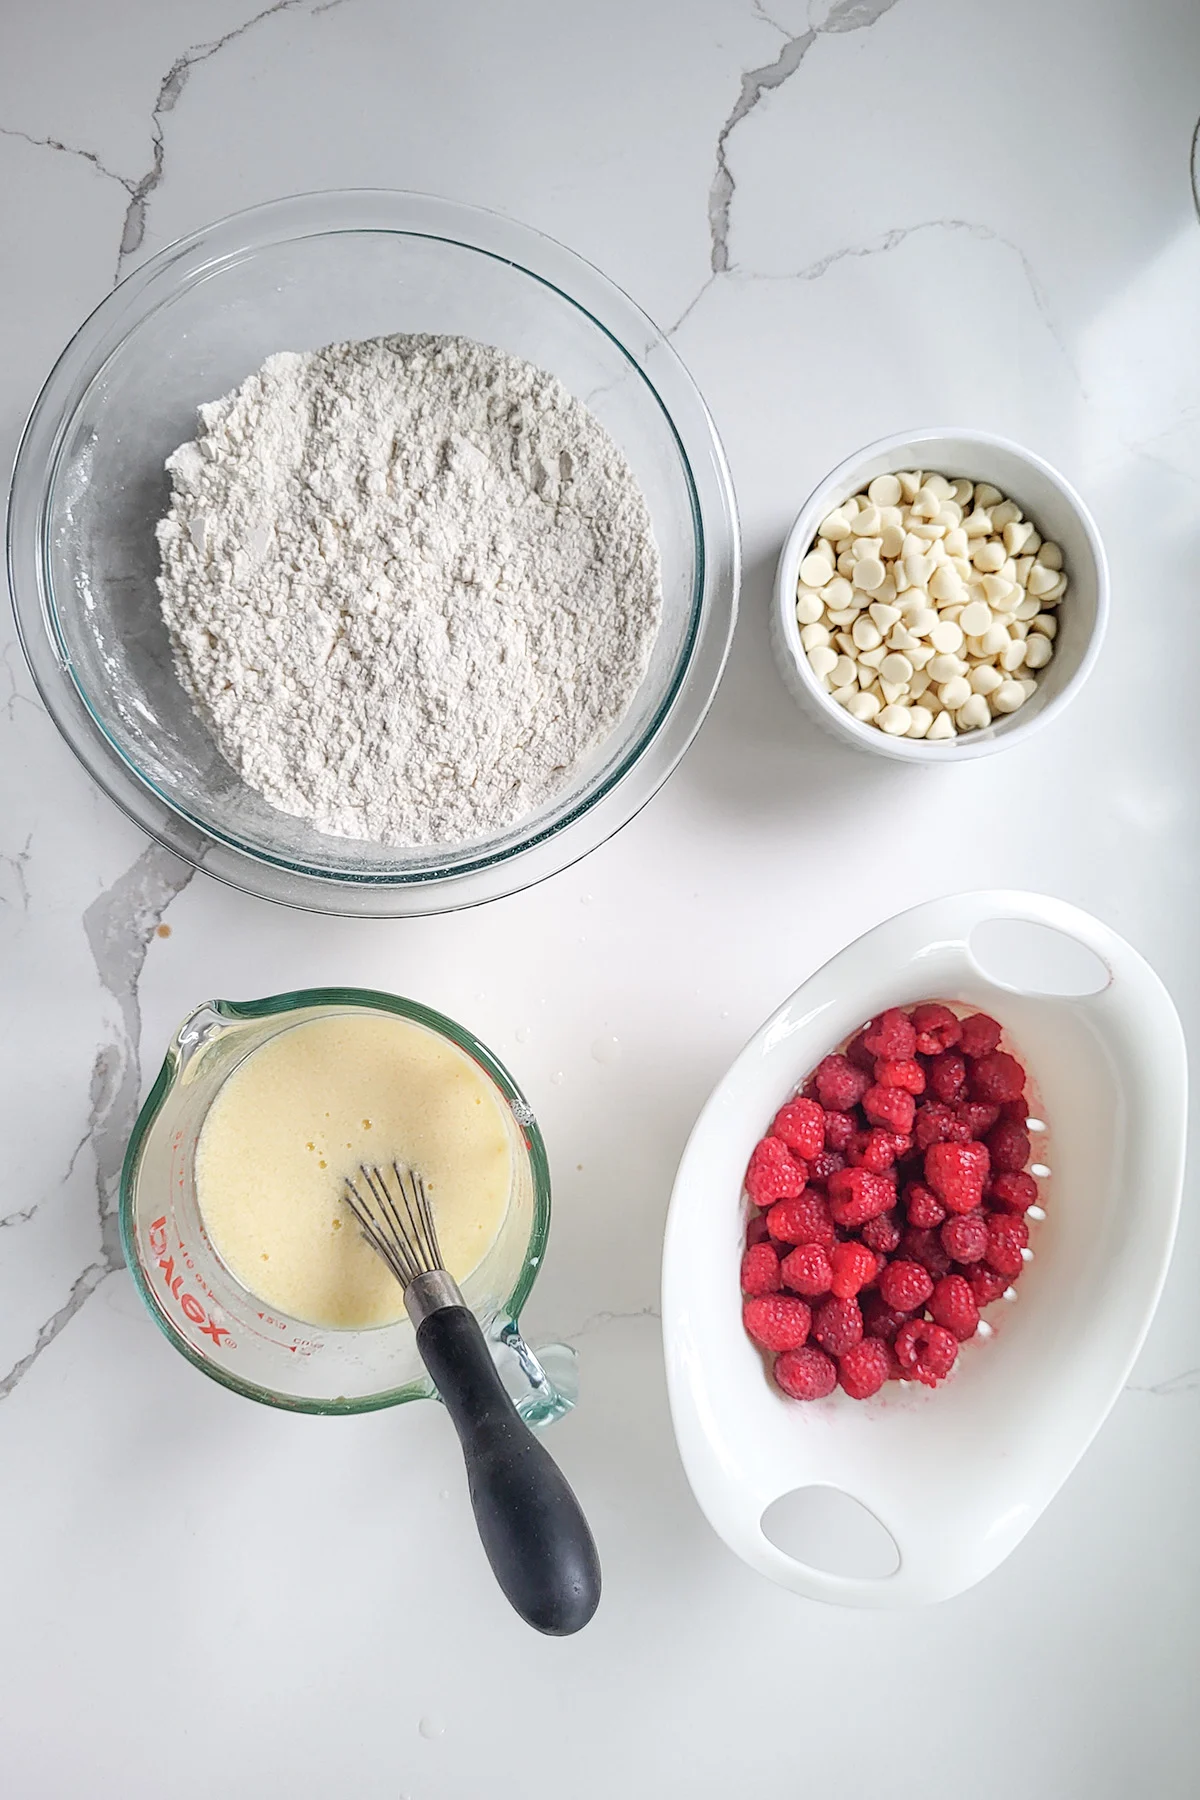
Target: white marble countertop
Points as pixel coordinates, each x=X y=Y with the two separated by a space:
x=857 y=216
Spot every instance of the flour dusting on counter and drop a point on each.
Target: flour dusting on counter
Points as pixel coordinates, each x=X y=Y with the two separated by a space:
x=409 y=582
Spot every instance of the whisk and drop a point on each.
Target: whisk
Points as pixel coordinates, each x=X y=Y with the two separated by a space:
x=530 y=1523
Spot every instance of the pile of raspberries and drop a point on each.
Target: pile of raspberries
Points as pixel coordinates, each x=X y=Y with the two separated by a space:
x=891 y=1196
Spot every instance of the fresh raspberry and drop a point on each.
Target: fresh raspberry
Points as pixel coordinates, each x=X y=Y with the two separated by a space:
x=801 y=1126
x=874 y=1150
x=859 y=1055
x=777 y=1321
x=774 y=1173
x=1008 y=1234
x=760 y=1270
x=922 y=1206
x=890 y=1035
x=837 y=1325
x=997 y=1077
x=805 y=1219
x=937 y=1028
x=987 y=1285
x=905 y=1285
x=937 y=1123
x=964 y=1237
x=854 y=1266
x=956 y=1173
x=879 y=1319
x=926 y=1352
x=808 y=1087
x=891 y=1107
x=856 y=1195
x=953 y=1305
x=806 y=1374
x=1009 y=1148
x=947 y=1077
x=977 y=1116
x=979 y=1035
x=882 y=1233
x=839 y=1129
x=839 y=1084
x=1015 y=1112
x=907 y=1074
x=823 y=1165
x=925 y=1247
x=864 y=1368
x=757 y=1229
x=806 y=1270
x=1014 y=1193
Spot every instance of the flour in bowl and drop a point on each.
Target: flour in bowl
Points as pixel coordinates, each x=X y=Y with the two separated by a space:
x=409 y=584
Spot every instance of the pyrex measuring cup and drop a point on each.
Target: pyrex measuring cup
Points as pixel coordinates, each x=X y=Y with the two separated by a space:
x=229 y=1333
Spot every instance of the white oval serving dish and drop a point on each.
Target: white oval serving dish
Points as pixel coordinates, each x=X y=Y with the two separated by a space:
x=957 y=1474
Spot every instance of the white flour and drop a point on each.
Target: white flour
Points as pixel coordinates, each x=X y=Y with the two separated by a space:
x=409 y=583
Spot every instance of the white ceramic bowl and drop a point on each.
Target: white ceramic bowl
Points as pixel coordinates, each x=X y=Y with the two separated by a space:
x=1044 y=496
x=956 y=1475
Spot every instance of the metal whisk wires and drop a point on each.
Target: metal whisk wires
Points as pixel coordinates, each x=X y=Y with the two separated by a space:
x=399 y=1229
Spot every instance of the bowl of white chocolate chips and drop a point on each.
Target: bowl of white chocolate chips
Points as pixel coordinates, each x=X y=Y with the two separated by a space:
x=940 y=593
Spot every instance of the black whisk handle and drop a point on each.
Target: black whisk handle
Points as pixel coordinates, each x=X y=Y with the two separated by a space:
x=536 y=1537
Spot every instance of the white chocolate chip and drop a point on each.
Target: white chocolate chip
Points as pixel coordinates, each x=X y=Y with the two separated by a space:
x=946 y=584
x=1038 y=652
x=1017 y=534
x=1028 y=608
x=837 y=593
x=921 y=656
x=946 y=637
x=1008 y=696
x=927 y=529
x=997 y=588
x=920 y=718
x=910 y=482
x=976 y=618
x=816 y=569
x=814 y=634
x=895 y=720
x=809 y=607
x=868 y=573
x=942 y=727
x=1058 y=590
x=956 y=543
x=1006 y=513
x=922 y=620
x=984 y=679
x=918 y=684
x=885 y=490
x=939 y=486
x=963 y=490
x=986 y=494
x=945 y=667
x=1025 y=565
x=866 y=522
x=1041 y=579
x=866 y=633
x=835 y=526
x=891 y=541
x=862 y=706
x=843 y=616
x=884 y=616
x=896 y=669
x=1050 y=556
x=1045 y=623
x=973 y=714
x=845 y=564
x=978 y=524
x=995 y=640
x=1028 y=685
x=954 y=692
x=988 y=557
x=844 y=695
x=1013 y=655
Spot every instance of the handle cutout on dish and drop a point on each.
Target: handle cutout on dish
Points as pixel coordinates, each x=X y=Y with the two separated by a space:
x=1031 y=958
x=830 y=1530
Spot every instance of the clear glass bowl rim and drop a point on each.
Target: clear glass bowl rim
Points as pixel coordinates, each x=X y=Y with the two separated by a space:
x=542 y=259
x=300 y=999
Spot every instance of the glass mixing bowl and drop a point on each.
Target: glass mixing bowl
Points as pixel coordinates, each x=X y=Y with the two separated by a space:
x=230 y=1334
x=194 y=322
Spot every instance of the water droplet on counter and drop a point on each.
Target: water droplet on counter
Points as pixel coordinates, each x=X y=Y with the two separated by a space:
x=443 y=1493
x=724 y=1012
x=557 y=1079
x=606 y=1049
x=522 y=1034
x=585 y=899
x=431 y=1726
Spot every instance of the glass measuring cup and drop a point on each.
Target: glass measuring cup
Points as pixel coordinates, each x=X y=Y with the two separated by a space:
x=232 y=1335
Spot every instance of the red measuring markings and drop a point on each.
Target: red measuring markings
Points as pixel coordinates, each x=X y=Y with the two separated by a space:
x=173 y=1280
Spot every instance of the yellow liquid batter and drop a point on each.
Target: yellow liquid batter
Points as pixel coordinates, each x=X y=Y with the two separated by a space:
x=304 y=1111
